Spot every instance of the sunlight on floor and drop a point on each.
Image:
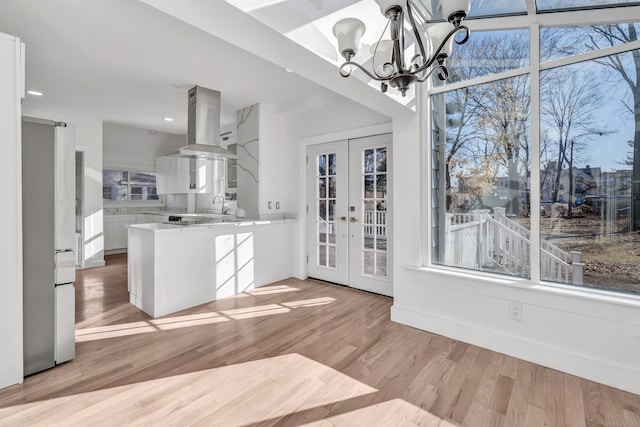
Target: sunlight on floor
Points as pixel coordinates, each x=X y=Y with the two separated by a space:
x=199 y=319
x=220 y=396
x=396 y=412
x=265 y=290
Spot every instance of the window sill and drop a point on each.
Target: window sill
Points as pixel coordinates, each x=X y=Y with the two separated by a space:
x=513 y=285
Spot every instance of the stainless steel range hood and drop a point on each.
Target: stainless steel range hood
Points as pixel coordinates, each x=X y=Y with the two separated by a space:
x=203 y=127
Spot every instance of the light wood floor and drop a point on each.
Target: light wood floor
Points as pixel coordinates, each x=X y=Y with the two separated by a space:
x=292 y=353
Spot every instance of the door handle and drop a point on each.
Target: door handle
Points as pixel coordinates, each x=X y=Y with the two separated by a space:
x=353 y=219
x=343 y=218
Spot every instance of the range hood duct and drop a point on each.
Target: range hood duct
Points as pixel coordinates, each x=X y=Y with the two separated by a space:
x=203 y=127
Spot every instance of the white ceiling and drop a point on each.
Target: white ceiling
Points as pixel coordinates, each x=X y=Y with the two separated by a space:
x=126 y=62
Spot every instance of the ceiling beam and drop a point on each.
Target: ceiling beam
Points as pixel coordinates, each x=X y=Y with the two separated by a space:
x=532 y=8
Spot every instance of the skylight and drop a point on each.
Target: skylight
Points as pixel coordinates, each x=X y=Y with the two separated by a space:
x=310 y=22
x=484 y=8
x=549 y=5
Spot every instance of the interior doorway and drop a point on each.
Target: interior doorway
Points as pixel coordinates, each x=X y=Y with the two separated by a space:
x=349 y=213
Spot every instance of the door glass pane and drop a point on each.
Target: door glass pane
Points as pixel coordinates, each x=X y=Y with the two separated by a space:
x=369 y=205
x=381 y=238
x=322 y=165
x=322 y=255
x=332 y=233
x=369 y=216
x=369 y=161
x=381 y=207
x=332 y=164
x=332 y=257
x=381 y=159
x=322 y=188
x=381 y=186
x=369 y=260
x=368 y=186
x=368 y=241
x=332 y=187
x=332 y=210
x=322 y=209
x=322 y=232
x=381 y=264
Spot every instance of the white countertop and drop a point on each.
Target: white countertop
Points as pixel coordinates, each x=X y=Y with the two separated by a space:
x=235 y=223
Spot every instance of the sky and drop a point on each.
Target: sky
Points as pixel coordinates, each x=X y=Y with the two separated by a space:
x=609 y=112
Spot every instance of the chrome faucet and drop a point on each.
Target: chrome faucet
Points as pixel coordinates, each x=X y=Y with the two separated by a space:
x=221 y=196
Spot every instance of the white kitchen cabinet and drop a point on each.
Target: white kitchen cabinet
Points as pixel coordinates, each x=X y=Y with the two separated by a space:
x=263 y=185
x=116 y=231
x=179 y=175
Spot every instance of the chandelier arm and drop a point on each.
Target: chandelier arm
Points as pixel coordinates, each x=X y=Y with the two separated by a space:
x=444 y=41
x=376 y=51
x=441 y=67
x=416 y=34
x=467 y=33
x=347 y=74
x=397 y=30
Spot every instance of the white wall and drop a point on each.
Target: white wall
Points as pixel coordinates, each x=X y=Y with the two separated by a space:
x=135 y=148
x=591 y=336
x=278 y=157
x=89 y=141
x=11 y=368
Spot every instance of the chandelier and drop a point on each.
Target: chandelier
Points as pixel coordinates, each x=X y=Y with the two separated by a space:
x=434 y=44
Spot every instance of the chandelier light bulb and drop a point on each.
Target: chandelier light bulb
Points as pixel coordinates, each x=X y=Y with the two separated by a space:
x=349 y=32
x=386 y=6
x=437 y=34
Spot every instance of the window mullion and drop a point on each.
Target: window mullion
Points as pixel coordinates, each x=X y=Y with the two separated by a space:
x=534 y=181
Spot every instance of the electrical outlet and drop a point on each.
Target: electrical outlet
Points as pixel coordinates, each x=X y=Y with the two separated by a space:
x=515 y=311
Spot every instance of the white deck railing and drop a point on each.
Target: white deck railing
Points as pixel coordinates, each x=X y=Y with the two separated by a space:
x=375 y=223
x=479 y=241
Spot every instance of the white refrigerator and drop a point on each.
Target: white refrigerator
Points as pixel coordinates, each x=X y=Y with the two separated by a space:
x=48 y=212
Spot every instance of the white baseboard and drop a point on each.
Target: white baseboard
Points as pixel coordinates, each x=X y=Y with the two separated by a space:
x=298 y=275
x=564 y=360
x=91 y=264
x=115 y=251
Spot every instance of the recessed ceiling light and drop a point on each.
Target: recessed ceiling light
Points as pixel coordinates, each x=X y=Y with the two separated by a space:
x=168 y=119
x=288 y=70
x=35 y=93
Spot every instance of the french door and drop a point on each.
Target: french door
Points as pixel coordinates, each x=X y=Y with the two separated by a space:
x=348 y=213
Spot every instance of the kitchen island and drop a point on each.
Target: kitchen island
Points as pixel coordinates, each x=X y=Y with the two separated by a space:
x=173 y=267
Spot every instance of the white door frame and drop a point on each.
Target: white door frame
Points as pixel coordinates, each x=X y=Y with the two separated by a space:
x=300 y=263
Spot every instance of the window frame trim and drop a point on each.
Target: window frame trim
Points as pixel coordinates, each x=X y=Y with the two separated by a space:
x=534 y=70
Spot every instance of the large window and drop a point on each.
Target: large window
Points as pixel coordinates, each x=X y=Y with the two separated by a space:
x=572 y=194
x=125 y=186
